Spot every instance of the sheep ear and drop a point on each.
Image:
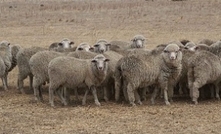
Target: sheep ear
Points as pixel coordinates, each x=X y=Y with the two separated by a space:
x=93 y=60
x=106 y=60
x=60 y=44
x=80 y=49
x=71 y=43
x=91 y=49
x=96 y=45
x=108 y=44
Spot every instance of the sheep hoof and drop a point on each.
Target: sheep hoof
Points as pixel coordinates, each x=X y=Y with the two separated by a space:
x=140 y=103
x=132 y=104
x=83 y=103
x=97 y=103
x=167 y=103
x=195 y=102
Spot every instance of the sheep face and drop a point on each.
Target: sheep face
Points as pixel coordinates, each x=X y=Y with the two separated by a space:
x=101 y=47
x=172 y=52
x=65 y=43
x=84 y=47
x=138 y=41
x=4 y=43
x=100 y=63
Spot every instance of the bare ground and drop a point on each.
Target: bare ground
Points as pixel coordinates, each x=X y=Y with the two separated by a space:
x=41 y=23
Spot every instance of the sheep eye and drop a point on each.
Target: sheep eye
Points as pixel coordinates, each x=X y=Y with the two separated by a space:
x=165 y=51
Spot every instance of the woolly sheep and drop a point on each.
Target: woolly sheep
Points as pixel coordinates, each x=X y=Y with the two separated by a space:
x=23 y=57
x=204 y=67
x=64 y=43
x=39 y=68
x=77 y=72
x=5 y=62
x=162 y=69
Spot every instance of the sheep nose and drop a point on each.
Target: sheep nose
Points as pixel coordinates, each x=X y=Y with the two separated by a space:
x=102 y=50
x=100 y=68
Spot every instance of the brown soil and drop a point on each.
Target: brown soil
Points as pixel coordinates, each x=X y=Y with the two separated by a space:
x=41 y=23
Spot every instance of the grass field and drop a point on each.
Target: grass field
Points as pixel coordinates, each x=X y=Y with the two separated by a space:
x=42 y=22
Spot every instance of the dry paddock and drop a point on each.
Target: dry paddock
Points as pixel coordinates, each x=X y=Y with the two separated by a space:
x=41 y=22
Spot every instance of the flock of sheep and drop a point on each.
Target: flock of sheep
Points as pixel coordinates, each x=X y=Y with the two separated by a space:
x=123 y=70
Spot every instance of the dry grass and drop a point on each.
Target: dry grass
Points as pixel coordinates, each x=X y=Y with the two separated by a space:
x=40 y=23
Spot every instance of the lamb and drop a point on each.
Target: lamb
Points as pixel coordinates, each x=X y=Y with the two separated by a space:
x=24 y=71
x=101 y=46
x=138 y=41
x=163 y=69
x=77 y=72
x=5 y=62
x=58 y=46
x=204 y=68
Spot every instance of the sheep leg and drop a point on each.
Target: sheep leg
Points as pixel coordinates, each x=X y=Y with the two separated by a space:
x=106 y=94
x=130 y=91
x=137 y=97
x=94 y=92
x=125 y=91
x=6 y=79
x=36 y=87
x=51 y=94
x=154 y=95
x=144 y=93
x=117 y=91
x=62 y=92
x=85 y=97
x=31 y=82
x=76 y=94
x=166 y=95
x=170 y=92
x=4 y=83
x=20 y=83
x=195 y=92
x=217 y=91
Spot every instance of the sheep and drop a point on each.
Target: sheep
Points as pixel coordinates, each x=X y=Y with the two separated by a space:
x=184 y=41
x=23 y=57
x=64 y=43
x=14 y=50
x=77 y=72
x=206 y=41
x=204 y=68
x=5 y=62
x=84 y=46
x=101 y=46
x=39 y=68
x=155 y=68
x=138 y=41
